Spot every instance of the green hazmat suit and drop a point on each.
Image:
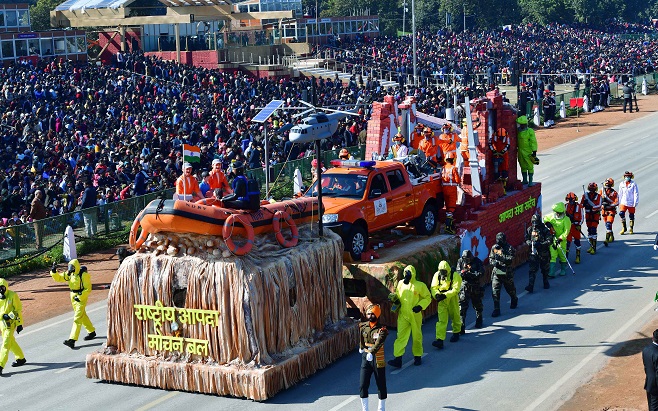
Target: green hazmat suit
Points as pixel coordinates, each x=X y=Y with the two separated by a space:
x=409 y=323
x=10 y=305
x=526 y=145
x=80 y=285
x=450 y=285
x=562 y=226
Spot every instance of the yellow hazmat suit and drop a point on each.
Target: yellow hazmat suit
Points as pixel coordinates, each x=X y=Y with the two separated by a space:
x=10 y=306
x=411 y=295
x=449 y=307
x=562 y=225
x=80 y=285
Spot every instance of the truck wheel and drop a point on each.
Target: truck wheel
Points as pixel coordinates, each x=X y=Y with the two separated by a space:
x=426 y=223
x=357 y=242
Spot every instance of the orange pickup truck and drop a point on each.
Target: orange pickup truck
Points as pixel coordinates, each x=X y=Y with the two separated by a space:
x=362 y=197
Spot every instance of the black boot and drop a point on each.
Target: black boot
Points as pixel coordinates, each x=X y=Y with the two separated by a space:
x=496 y=312
x=463 y=330
x=438 y=344
x=19 y=362
x=418 y=360
x=395 y=362
x=0 y=371
x=514 y=303
x=69 y=343
x=91 y=336
x=454 y=338
x=546 y=284
x=478 y=322
x=530 y=288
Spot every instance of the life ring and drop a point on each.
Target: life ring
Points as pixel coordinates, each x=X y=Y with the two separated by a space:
x=211 y=201
x=276 y=225
x=501 y=133
x=228 y=230
x=135 y=241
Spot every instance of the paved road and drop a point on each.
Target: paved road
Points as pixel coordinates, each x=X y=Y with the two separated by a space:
x=533 y=358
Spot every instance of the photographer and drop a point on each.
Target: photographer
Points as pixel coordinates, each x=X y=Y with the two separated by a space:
x=502 y=257
x=79 y=282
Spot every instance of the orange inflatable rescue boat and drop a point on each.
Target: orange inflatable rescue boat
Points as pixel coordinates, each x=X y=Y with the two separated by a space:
x=189 y=217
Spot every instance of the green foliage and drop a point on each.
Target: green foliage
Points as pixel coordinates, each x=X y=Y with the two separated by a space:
x=40 y=14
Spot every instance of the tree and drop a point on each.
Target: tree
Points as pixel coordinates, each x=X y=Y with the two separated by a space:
x=40 y=14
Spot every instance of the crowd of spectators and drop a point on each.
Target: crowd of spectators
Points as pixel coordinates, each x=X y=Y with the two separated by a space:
x=94 y=134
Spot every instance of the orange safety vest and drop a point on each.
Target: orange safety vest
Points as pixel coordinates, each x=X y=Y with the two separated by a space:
x=429 y=147
x=574 y=212
x=448 y=143
x=450 y=176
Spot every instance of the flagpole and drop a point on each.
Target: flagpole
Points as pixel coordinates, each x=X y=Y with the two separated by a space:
x=184 y=176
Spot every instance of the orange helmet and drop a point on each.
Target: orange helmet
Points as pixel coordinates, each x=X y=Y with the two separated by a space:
x=501 y=132
x=427 y=130
x=344 y=154
x=571 y=197
x=609 y=182
x=446 y=126
x=399 y=137
x=592 y=186
x=628 y=174
x=449 y=155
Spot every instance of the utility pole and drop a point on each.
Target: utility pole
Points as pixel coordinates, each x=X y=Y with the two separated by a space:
x=464 y=5
x=404 y=16
x=413 y=29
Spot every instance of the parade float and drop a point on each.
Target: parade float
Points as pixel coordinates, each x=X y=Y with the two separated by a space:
x=196 y=309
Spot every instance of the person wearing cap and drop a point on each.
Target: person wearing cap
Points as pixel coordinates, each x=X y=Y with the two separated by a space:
x=344 y=155
x=398 y=149
x=372 y=336
x=217 y=180
x=450 y=180
x=629 y=198
x=11 y=311
x=501 y=257
x=417 y=136
x=527 y=150
x=447 y=140
x=430 y=147
x=187 y=186
x=628 y=96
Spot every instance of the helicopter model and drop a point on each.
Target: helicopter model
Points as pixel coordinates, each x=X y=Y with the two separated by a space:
x=317 y=126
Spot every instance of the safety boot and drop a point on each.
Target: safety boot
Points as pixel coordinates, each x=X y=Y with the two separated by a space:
x=418 y=360
x=19 y=362
x=525 y=177
x=551 y=270
x=496 y=311
x=438 y=344
x=514 y=303
x=450 y=228
x=577 y=260
x=530 y=288
x=530 y=183
x=70 y=343
x=546 y=284
x=1 y=371
x=563 y=268
x=612 y=237
x=478 y=322
x=454 y=338
x=607 y=238
x=623 y=227
x=632 y=223
x=91 y=336
x=591 y=249
x=395 y=362
x=463 y=330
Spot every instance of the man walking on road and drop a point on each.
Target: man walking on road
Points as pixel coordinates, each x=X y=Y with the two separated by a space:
x=502 y=257
x=539 y=239
x=629 y=198
x=561 y=226
x=12 y=320
x=650 y=360
x=445 y=289
x=472 y=270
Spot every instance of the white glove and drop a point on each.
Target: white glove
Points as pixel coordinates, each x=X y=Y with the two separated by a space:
x=655 y=246
x=369 y=356
x=360 y=350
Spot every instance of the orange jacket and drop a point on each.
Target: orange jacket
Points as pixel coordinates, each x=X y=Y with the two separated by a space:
x=429 y=147
x=448 y=143
x=591 y=202
x=217 y=179
x=450 y=176
x=610 y=199
x=574 y=212
x=190 y=187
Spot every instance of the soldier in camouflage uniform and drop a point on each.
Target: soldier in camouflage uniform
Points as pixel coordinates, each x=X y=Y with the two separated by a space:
x=471 y=270
x=539 y=239
x=502 y=257
x=371 y=346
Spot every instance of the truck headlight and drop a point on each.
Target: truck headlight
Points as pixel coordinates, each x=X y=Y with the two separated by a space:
x=330 y=218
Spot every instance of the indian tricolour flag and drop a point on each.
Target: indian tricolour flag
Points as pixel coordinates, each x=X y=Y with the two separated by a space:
x=191 y=154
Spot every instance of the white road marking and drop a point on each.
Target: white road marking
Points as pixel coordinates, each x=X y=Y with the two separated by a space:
x=68 y=368
x=549 y=392
x=32 y=331
x=652 y=214
x=405 y=365
x=344 y=403
x=568 y=168
x=589 y=159
x=158 y=401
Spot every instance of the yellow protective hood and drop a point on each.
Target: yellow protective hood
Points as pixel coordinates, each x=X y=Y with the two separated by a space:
x=5 y=283
x=443 y=265
x=76 y=266
x=411 y=269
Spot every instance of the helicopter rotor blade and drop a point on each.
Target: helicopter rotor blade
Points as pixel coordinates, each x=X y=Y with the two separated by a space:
x=303 y=113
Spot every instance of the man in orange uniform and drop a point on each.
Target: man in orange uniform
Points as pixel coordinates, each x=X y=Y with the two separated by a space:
x=447 y=140
x=575 y=213
x=429 y=146
x=187 y=186
x=451 y=180
x=591 y=202
x=463 y=144
x=610 y=202
x=499 y=145
x=416 y=136
x=217 y=180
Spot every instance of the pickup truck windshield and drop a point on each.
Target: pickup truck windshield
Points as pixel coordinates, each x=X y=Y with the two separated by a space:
x=340 y=185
